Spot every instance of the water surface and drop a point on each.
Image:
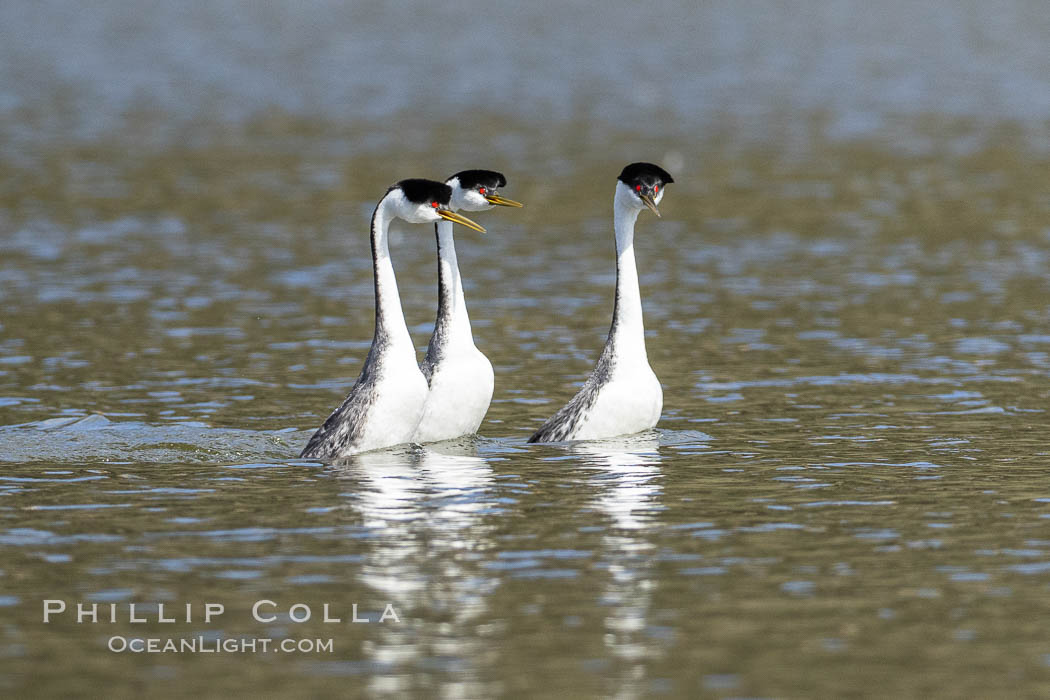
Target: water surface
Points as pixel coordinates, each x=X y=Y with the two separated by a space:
x=845 y=302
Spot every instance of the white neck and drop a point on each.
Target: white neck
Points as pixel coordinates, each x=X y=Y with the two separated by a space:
x=391 y=330
x=627 y=334
x=452 y=326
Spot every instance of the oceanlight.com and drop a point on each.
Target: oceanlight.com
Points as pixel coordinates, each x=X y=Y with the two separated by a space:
x=203 y=645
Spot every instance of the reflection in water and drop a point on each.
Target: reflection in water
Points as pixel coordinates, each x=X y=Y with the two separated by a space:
x=627 y=478
x=627 y=467
x=424 y=509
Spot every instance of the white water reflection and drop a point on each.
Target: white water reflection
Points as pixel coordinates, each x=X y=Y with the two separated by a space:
x=627 y=480
x=628 y=467
x=424 y=510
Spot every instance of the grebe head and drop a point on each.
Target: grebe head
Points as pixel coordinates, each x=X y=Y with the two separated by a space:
x=645 y=184
x=478 y=190
x=420 y=201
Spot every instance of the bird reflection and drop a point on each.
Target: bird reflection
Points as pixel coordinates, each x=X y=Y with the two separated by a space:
x=424 y=510
x=629 y=467
x=628 y=477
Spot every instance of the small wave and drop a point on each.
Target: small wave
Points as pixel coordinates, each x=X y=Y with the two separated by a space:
x=96 y=438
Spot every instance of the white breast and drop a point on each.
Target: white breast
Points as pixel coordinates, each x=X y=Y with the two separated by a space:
x=629 y=402
x=460 y=393
x=395 y=406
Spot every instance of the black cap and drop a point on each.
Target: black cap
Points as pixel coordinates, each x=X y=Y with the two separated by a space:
x=645 y=174
x=469 y=179
x=422 y=191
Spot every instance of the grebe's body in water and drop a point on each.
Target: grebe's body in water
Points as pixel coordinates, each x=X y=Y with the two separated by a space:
x=385 y=405
x=459 y=375
x=622 y=395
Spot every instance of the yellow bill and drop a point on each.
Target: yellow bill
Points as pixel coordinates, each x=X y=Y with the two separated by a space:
x=457 y=219
x=502 y=201
x=648 y=200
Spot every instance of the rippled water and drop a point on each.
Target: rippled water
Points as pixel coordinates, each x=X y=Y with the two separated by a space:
x=847 y=486
x=846 y=494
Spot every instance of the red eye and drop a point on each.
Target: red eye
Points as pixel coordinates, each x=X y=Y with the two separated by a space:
x=434 y=204
x=481 y=190
x=637 y=188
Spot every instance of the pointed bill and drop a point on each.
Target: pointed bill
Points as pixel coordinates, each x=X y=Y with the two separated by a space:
x=648 y=201
x=458 y=219
x=502 y=201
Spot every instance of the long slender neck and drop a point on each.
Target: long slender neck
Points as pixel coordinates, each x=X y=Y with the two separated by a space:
x=391 y=330
x=452 y=326
x=627 y=334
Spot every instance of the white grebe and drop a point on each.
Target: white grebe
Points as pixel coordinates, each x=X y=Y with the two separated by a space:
x=622 y=395
x=459 y=375
x=384 y=406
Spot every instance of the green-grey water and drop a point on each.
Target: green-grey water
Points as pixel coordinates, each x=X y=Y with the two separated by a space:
x=846 y=495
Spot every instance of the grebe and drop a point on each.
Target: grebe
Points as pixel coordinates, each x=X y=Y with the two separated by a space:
x=622 y=395
x=459 y=375
x=384 y=406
